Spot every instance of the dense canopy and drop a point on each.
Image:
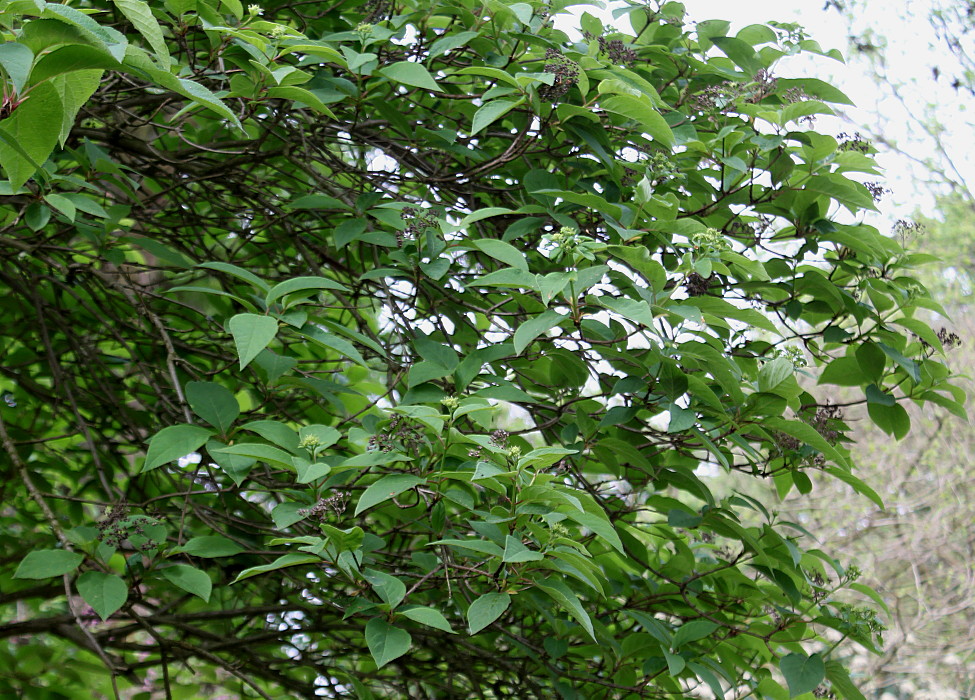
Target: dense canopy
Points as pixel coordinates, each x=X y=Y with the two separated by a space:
x=398 y=349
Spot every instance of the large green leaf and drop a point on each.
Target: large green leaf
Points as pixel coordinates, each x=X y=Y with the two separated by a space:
x=252 y=333
x=386 y=642
x=388 y=587
x=34 y=125
x=210 y=546
x=505 y=252
x=140 y=14
x=430 y=617
x=48 y=563
x=641 y=110
x=300 y=284
x=802 y=673
x=386 y=488
x=283 y=562
x=16 y=60
x=105 y=593
x=565 y=597
x=486 y=609
x=171 y=443
x=490 y=112
x=76 y=89
x=531 y=329
x=190 y=579
x=70 y=59
x=213 y=403
x=412 y=74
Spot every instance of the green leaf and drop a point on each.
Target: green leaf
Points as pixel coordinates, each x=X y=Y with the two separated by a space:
x=490 y=112
x=486 y=609
x=906 y=363
x=105 y=593
x=741 y=53
x=505 y=252
x=70 y=59
x=802 y=673
x=387 y=587
x=412 y=74
x=110 y=38
x=283 y=562
x=301 y=284
x=16 y=60
x=531 y=329
x=275 y=432
x=316 y=201
x=171 y=443
x=488 y=72
x=213 y=403
x=482 y=546
x=857 y=485
x=76 y=89
x=508 y=277
x=875 y=395
x=544 y=457
x=210 y=547
x=815 y=88
x=239 y=273
x=190 y=579
x=34 y=126
x=139 y=14
x=599 y=525
x=515 y=551
x=203 y=96
x=438 y=353
x=893 y=419
x=63 y=205
x=807 y=434
x=872 y=594
x=332 y=341
x=265 y=453
x=431 y=617
x=386 y=642
x=675 y=662
x=449 y=42
x=839 y=680
x=252 y=333
x=275 y=365
x=641 y=110
x=774 y=373
x=307 y=472
x=299 y=94
x=48 y=563
x=692 y=631
x=285 y=515
x=565 y=597
x=387 y=487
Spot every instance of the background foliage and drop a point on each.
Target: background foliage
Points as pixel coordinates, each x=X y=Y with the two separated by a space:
x=383 y=350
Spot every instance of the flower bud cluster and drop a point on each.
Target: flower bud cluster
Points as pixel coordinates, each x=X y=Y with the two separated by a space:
x=696 y=286
x=417 y=222
x=856 y=142
x=566 y=72
x=616 y=51
x=325 y=506
x=708 y=242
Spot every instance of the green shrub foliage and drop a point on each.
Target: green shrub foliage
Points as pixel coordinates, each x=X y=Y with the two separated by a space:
x=392 y=348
